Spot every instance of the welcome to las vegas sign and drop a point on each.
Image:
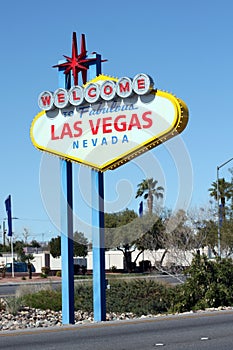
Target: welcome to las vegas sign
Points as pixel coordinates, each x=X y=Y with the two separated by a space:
x=108 y=121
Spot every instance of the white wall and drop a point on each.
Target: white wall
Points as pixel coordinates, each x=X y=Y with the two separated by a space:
x=113 y=258
x=7 y=258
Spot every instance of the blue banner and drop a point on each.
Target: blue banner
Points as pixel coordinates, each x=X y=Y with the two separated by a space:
x=9 y=216
x=140 y=209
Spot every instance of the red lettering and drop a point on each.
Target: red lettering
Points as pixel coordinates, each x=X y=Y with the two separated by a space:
x=107 y=126
x=66 y=131
x=53 y=137
x=46 y=100
x=108 y=90
x=134 y=121
x=89 y=92
x=78 y=129
x=141 y=84
x=95 y=129
x=75 y=97
x=124 y=88
x=61 y=98
x=120 y=126
x=147 y=120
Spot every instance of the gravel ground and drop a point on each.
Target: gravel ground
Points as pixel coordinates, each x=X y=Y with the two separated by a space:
x=35 y=318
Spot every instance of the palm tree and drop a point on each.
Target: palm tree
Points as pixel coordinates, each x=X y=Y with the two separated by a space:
x=225 y=192
x=147 y=188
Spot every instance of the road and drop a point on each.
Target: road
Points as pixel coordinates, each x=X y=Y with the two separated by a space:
x=202 y=331
x=10 y=288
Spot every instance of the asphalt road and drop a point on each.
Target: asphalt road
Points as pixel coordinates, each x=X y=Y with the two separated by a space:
x=203 y=331
x=10 y=288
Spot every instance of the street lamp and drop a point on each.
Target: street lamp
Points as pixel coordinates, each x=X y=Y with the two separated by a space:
x=219 y=230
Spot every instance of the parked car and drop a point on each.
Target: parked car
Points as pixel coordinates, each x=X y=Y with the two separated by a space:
x=19 y=267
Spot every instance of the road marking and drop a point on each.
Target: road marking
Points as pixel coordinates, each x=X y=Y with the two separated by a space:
x=204 y=338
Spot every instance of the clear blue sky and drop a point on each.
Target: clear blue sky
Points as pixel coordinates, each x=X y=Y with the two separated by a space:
x=186 y=46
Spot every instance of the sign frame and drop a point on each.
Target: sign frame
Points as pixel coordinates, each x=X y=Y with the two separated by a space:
x=178 y=124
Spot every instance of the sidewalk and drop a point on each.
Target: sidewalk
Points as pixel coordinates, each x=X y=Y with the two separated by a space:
x=35 y=279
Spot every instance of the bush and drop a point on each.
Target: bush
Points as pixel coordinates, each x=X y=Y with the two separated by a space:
x=44 y=299
x=138 y=296
x=29 y=288
x=113 y=268
x=43 y=275
x=45 y=270
x=58 y=273
x=13 y=304
x=83 y=297
x=209 y=284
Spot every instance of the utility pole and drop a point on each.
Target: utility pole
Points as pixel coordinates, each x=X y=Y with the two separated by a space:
x=218 y=197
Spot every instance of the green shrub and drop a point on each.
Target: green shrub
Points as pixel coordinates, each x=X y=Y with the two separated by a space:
x=45 y=270
x=58 y=273
x=13 y=304
x=44 y=299
x=83 y=297
x=28 y=288
x=209 y=284
x=113 y=268
x=138 y=296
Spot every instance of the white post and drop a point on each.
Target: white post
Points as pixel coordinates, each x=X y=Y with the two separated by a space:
x=12 y=254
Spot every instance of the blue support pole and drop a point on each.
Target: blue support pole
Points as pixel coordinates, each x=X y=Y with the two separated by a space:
x=67 y=242
x=66 y=229
x=99 y=284
x=97 y=190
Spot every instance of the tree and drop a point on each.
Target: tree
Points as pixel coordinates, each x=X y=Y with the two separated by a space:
x=149 y=190
x=118 y=234
x=153 y=239
x=127 y=232
x=231 y=205
x=80 y=245
x=225 y=192
x=26 y=234
x=55 y=247
x=208 y=233
x=117 y=228
x=35 y=244
x=4 y=248
x=177 y=239
x=18 y=249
